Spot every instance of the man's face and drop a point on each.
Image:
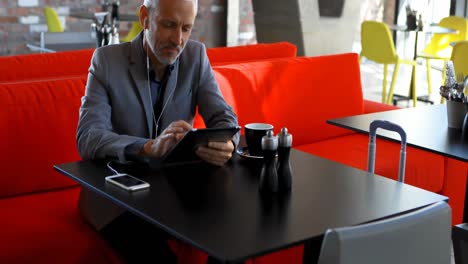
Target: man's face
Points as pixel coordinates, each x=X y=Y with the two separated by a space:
x=170 y=28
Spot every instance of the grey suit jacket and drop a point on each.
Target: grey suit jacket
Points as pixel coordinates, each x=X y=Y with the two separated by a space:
x=116 y=110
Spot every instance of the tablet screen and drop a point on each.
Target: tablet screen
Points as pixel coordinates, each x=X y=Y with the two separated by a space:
x=184 y=151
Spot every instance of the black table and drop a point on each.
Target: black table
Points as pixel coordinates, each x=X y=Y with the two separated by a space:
x=62 y=41
x=220 y=211
x=60 y=47
x=91 y=16
x=432 y=29
x=426 y=128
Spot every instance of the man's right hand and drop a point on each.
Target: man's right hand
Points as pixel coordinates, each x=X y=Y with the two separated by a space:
x=169 y=137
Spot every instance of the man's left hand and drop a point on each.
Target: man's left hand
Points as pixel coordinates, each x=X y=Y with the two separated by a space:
x=216 y=153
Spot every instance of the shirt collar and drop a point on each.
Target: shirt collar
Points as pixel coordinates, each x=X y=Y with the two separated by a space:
x=169 y=69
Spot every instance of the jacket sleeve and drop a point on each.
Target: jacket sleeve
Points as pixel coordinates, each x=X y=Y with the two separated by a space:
x=95 y=135
x=212 y=106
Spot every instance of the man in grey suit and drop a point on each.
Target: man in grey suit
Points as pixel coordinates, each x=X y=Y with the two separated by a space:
x=140 y=100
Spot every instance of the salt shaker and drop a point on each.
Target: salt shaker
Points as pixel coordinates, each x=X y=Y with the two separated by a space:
x=284 y=167
x=114 y=37
x=269 y=176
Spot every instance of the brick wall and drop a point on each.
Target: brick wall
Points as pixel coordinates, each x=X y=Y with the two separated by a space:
x=21 y=21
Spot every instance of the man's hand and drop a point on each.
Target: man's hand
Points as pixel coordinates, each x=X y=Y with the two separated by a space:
x=216 y=153
x=169 y=137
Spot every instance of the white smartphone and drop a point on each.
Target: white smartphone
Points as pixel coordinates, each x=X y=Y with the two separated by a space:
x=127 y=182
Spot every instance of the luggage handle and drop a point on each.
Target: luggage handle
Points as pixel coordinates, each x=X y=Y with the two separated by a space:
x=387 y=125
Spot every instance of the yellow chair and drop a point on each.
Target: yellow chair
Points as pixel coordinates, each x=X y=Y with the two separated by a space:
x=52 y=20
x=377 y=45
x=439 y=47
x=134 y=31
x=460 y=58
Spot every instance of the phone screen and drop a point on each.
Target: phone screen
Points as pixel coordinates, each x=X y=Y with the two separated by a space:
x=127 y=181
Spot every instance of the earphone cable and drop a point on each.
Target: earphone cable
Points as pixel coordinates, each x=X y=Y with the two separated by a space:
x=149 y=91
x=112 y=169
x=156 y=122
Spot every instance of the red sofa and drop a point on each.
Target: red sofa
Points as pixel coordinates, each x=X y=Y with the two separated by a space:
x=38 y=119
x=40 y=96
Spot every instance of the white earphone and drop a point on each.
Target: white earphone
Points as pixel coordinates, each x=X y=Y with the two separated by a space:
x=156 y=121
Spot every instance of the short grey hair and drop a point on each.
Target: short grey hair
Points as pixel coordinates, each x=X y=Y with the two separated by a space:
x=152 y=4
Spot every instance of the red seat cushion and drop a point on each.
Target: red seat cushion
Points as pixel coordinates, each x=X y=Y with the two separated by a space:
x=291 y=255
x=47 y=228
x=37 y=127
x=423 y=169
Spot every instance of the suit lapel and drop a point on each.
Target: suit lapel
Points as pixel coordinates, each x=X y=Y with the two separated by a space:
x=138 y=72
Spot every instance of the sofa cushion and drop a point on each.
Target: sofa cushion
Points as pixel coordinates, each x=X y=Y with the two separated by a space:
x=423 y=169
x=44 y=66
x=290 y=255
x=283 y=92
x=456 y=173
x=37 y=126
x=248 y=53
x=47 y=228
x=261 y=51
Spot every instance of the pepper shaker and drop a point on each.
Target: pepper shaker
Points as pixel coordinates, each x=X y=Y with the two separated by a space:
x=284 y=167
x=269 y=176
x=106 y=34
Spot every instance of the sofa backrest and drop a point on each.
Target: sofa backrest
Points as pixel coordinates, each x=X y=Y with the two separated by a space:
x=76 y=63
x=255 y=52
x=37 y=129
x=45 y=66
x=298 y=93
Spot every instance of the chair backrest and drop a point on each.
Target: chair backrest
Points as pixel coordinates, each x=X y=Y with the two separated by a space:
x=460 y=58
x=439 y=45
x=134 y=31
x=421 y=236
x=52 y=20
x=377 y=42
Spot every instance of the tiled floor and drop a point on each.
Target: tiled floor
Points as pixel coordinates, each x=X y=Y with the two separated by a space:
x=372 y=77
